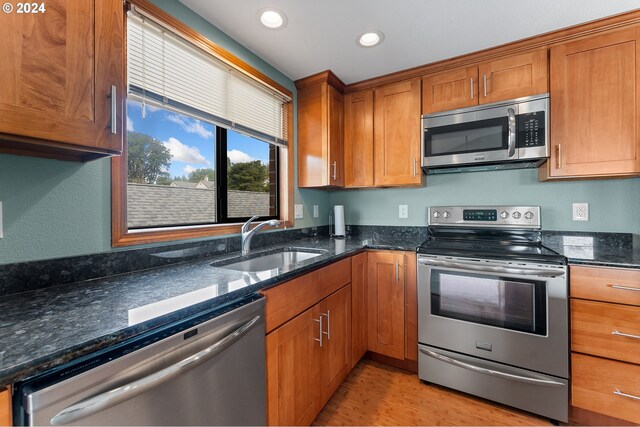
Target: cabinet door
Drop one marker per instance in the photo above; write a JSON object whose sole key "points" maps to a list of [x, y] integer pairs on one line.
{"points": [[358, 139], [336, 130], [359, 279], [58, 68], [513, 76], [312, 136], [595, 97], [386, 310], [335, 360], [450, 90], [5, 408], [293, 396], [396, 139]]}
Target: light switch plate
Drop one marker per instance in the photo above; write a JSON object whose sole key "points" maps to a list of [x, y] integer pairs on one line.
{"points": [[581, 211], [403, 211], [297, 212], [316, 211]]}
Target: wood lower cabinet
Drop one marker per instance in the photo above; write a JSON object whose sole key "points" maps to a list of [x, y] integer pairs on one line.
{"points": [[359, 295], [386, 303], [605, 342], [595, 106], [320, 131], [5, 408], [358, 139], [396, 135], [500, 79], [58, 71]]}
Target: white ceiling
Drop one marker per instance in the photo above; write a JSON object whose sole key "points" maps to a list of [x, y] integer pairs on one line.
{"points": [[321, 34]]}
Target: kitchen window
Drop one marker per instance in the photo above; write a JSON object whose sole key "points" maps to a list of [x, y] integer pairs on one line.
{"points": [[207, 138]]}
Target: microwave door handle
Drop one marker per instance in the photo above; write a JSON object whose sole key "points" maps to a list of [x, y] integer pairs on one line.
{"points": [[512, 132]]}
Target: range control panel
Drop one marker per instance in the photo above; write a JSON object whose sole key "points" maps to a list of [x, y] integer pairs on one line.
{"points": [[486, 216]]}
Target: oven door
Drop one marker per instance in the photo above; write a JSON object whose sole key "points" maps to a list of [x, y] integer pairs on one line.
{"points": [[487, 135], [513, 313]]}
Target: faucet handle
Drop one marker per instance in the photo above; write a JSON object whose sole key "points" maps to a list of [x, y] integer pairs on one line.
{"points": [[245, 226]]}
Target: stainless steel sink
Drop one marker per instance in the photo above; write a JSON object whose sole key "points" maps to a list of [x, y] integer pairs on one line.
{"points": [[270, 261]]}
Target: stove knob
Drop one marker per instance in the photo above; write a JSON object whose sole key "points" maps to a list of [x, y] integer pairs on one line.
{"points": [[446, 214], [516, 215], [528, 215], [436, 214], [504, 215]]}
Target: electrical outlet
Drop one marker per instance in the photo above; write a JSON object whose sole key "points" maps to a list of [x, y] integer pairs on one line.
{"points": [[581, 211], [297, 212], [316, 211], [403, 211], [1, 220]]}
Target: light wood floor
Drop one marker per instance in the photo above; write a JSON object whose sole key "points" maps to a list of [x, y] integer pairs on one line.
{"points": [[376, 394]]}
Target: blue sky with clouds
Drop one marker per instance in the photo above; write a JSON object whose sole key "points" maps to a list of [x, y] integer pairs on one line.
{"points": [[191, 141]]}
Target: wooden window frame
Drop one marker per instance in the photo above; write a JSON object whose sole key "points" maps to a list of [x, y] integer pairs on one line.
{"points": [[120, 233]]}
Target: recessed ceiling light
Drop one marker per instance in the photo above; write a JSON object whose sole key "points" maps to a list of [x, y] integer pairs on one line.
{"points": [[272, 18], [370, 38]]}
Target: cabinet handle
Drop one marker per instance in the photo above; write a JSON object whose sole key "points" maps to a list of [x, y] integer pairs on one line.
{"points": [[415, 167], [471, 78], [558, 157], [335, 166], [319, 320], [625, 288], [484, 80], [630, 396], [114, 110], [621, 334], [397, 272], [328, 333]]}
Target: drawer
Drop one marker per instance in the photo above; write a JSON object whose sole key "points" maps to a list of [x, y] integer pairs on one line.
{"points": [[595, 381], [287, 300], [593, 325], [605, 284]]}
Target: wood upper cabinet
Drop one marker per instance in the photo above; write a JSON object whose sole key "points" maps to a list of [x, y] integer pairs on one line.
{"points": [[5, 408], [595, 97], [396, 138], [386, 303], [499, 79], [320, 131], [359, 295], [58, 71], [335, 353], [358, 139], [293, 395]]}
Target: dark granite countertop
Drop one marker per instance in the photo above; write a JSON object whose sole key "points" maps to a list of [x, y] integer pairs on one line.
{"points": [[619, 250], [47, 327]]}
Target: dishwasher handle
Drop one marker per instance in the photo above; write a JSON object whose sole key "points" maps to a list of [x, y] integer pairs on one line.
{"points": [[117, 395]]}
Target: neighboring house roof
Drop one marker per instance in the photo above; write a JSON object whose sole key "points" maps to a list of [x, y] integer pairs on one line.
{"points": [[162, 205]]}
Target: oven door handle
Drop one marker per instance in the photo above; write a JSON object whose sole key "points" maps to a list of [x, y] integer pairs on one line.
{"points": [[493, 269], [493, 373]]}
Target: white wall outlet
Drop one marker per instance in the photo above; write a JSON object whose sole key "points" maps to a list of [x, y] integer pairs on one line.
{"points": [[581, 211], [297, 212], [403, 211], [316, 211], [1, 220]]}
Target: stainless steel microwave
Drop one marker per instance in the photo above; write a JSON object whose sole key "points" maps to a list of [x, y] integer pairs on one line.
{"points": [[510, 134]]}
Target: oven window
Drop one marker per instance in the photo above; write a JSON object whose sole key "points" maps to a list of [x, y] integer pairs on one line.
{"points": [[516, 304], [485, 135]]}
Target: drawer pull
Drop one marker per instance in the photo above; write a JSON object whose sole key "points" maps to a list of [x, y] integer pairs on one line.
{"points": [[625, 288], [635, 337], [630, 396]]}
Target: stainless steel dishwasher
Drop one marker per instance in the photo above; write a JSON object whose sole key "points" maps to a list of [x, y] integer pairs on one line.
{"points": [[194, 372]]}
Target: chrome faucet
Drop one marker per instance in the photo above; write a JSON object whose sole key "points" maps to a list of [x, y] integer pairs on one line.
{"points": [[248, 235]]}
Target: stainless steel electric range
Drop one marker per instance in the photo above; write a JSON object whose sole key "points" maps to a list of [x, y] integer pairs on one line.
{"points": [[493, 308]]}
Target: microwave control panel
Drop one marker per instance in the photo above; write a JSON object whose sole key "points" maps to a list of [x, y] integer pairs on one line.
{"points": [[531, 131]]}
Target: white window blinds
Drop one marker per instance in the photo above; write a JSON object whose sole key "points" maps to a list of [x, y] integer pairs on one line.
{"points": [[167, 69]]}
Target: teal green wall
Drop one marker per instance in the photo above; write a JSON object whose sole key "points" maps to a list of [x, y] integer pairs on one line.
{"points": [[614, 204], [54, 209]]}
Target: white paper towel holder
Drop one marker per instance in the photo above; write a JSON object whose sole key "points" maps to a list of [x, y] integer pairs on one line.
{"points": [[338, 229]]}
